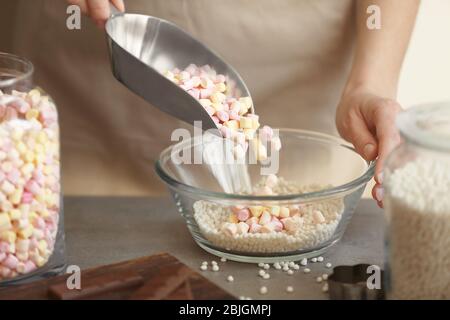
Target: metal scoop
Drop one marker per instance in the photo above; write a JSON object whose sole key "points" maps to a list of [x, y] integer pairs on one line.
{"points": [[143, 47]]}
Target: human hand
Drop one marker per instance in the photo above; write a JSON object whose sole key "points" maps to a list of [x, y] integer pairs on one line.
{"points": [[368, 121], [98, 10]]}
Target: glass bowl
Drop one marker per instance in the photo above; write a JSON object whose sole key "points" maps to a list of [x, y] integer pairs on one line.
{"points": [[318, 173]]}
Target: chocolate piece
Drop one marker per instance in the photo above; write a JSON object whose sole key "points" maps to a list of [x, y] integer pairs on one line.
{"points": [[168, 280]]}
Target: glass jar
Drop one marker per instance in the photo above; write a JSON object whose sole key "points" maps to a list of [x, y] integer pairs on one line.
{"points": [[417, 202], [31, 215]]}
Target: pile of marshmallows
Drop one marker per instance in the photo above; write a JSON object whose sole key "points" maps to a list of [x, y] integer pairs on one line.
{"points": [[264, 219], [231, 114], [29, 181]]}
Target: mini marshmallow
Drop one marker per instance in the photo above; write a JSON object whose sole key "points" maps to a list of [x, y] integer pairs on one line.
{"points": [[284, 212], [256, 211], [318, 217], [271, 180], [230, 229], [265, 218], [243, 215], [242, 228]]}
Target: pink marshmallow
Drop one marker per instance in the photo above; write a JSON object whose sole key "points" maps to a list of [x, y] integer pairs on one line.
{"points": [[235, 209], [29, 266], [39, 223], [255, 228], [278, 226], [243, 214], [10, 262], [234, 115], [10, 114], [13, 176], [195, 93], [33, 187], [226, 132], [223, 116], [205, 93], [27, 198]]}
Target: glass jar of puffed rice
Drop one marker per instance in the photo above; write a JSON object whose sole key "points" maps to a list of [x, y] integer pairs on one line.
{"points": [[417, 202], [31, 216]]}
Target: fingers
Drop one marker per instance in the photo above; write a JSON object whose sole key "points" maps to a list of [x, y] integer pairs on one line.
{"points": [[363, 140], [99, 11], [384, 115], [119, 5], [378, 194]]}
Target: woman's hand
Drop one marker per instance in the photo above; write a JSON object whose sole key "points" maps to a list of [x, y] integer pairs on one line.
{"points": [[98, 10], [368, 121]]}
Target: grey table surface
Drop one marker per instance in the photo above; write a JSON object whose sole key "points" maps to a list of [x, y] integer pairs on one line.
{"points": [[106, 230]]}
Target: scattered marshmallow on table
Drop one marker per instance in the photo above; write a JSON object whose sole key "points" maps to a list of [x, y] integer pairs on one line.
{"points": [[29, 181]]}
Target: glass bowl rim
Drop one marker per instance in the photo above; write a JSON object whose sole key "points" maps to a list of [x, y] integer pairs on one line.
{"points": [[309, 196]]}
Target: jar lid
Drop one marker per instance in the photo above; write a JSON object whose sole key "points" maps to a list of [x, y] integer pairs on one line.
{"points": [[427, 125]]}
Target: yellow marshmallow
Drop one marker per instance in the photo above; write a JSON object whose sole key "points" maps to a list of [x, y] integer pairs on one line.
{"points": [[8, 236], [5, 221], [15, 214], [42, 245], [247, 101], [39, 148], [256, 211], [42, 137], [49, 200], [221, 87], [27, 168], [17, 134], [232, 124], [232, 218], [29, 156], [246, 123], [21, 147], [45, 213], [40, 197], [24, 208], [22, 256], [34, 94], [205, 102], [32, 215], [217, 106], [218, 97], [32, 114], [40, 261], [40, 158], [26, 233], [284, 212]]}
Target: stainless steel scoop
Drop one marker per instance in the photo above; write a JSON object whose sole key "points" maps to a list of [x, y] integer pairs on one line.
{"points": [[143, 47]]}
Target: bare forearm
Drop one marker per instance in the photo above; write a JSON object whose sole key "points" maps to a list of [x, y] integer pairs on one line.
{"points": [[380, 52]]}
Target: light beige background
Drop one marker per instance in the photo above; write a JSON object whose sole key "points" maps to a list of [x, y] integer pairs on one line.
{"points": [[426, 72]]}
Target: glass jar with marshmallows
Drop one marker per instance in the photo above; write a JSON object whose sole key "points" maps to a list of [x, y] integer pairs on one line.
{"points": [[31, 233]]}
